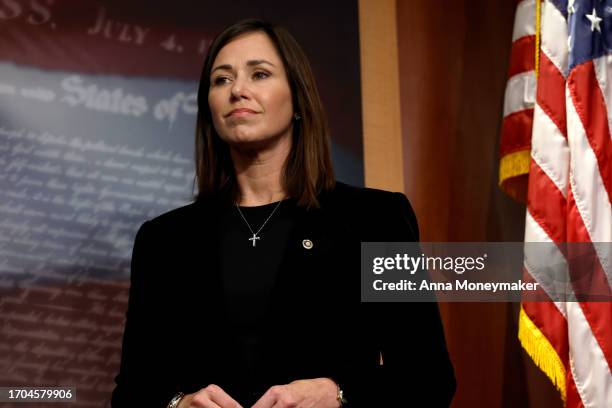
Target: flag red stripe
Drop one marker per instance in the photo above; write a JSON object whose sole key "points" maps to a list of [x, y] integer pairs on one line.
{"points": [[573, 397], [522, 55], [587, 265], [591, 108], [516, 132], [546, 204], [551, 93]]}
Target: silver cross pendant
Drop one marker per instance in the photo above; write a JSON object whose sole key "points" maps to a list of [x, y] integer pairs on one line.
{"points": [[253, 239]]}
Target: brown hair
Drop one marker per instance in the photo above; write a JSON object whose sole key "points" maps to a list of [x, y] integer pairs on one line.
{"points": [[308, 169]]}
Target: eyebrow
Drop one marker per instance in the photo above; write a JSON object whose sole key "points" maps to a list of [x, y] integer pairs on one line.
{"points": [[249, 63]]}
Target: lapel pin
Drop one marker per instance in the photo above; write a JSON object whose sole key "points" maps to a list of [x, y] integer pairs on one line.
{"points": [[307, 244]]}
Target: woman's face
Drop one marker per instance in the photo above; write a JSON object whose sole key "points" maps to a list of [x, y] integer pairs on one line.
{"points": [[249, 96]]}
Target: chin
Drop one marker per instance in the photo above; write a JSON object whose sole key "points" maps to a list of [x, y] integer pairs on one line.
{"points": [[245, 138], [246, 142], [251, 140]]}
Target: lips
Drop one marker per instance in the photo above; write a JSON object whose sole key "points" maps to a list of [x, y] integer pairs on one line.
{"points": [[241, 112]]}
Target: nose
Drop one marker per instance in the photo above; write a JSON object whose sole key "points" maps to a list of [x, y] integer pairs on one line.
{"points": [[239, 89]]}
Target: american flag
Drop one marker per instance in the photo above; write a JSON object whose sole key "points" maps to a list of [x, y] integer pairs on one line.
{"points": [[569, 192]]}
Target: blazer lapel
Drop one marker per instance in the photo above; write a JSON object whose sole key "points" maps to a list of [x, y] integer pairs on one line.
{"points": [[307, 241]]}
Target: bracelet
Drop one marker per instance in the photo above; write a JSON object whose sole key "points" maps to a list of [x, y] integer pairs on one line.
{"points": [[340, 396], [175, 400]]}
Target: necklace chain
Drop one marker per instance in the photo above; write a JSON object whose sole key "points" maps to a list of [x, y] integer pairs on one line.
{"points": [[256, 234]]}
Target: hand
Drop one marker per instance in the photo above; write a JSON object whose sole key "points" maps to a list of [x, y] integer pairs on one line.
{"points": [[311, 393], [212, 396]]}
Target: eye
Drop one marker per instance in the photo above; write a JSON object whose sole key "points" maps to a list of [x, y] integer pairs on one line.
{"points": [[260, 75], [220, 80]]}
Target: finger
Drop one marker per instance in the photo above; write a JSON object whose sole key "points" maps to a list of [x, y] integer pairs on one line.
{"points": [[201, 399], [218, 396], [284, 401], [269, 398]]}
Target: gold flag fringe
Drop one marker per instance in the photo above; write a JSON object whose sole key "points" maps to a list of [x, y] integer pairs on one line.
{"points": [[541, 352], [511, 167]]}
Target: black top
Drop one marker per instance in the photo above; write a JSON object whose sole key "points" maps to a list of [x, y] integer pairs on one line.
{"points": [[249, 271]]}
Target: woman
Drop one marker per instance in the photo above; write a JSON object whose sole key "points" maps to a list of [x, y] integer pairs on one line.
{"points": [[250, 296]]}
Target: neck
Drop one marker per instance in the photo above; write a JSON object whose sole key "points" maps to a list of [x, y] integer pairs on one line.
{"points": [[260, 173]]}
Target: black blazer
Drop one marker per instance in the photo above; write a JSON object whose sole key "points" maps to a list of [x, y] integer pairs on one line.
{"points": [[177, 336]]}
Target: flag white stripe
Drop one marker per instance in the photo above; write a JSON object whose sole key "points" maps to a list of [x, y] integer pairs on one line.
{"points": [[524, 20], [549, 149], [533, 234], [556, 27], [588, 364], [520, 92], [603, 72]]}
